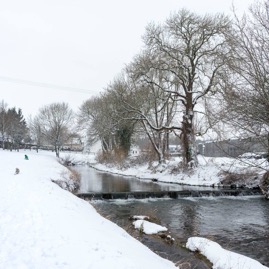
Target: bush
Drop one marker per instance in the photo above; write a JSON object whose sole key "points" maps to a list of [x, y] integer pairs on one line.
{"points": [[67, 160], [239, 179], [116, 157], [70, 179]]}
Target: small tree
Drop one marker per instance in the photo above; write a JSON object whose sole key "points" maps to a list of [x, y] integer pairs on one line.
{"points": [[55, 121], [36, 132], [100, 117], [95, 118]]}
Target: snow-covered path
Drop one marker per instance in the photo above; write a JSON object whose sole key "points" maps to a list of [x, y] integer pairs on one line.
{"points": [[43, 226]]}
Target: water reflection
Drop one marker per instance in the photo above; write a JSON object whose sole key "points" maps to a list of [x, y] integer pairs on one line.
{"points": [[191, 215], [96, 181]]}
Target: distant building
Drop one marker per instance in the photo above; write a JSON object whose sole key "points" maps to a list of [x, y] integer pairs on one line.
{"points": [[134, 151], [174, 150], [232, 147]]}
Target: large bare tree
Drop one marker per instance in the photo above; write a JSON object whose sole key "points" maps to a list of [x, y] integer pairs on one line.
{"points": [[191, 51]]}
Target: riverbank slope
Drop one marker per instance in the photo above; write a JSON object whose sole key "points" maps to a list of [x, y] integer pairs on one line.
{"points": [[44, 226]]}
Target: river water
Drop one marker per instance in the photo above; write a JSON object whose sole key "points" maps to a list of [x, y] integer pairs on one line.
{"points": [[96, 181], [239, 224]]}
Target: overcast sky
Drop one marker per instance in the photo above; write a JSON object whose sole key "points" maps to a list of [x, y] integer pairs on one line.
{"points": [[69, 50]]}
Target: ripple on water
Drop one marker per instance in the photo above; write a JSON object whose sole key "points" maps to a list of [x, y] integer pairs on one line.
{"points": [[238, 224]]}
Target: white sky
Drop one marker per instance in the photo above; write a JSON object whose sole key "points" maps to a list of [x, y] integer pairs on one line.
{"points": [[82, 44]]}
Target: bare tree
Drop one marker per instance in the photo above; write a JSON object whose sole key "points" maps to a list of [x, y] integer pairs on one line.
{"points": [[246, 88], [95, 118], [56, 122], [191, 51], [149, 103], [123, 128], [36, 132], [100, 117]]}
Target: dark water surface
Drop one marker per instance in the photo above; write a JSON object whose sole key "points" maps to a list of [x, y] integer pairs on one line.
{"points": [[96, 181], [239, 224]]}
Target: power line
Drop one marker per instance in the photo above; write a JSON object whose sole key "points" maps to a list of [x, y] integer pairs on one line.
{"points": [[42, 84]]}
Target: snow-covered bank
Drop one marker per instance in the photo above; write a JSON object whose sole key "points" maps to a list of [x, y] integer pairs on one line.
{"points": [[56, 233], [222, 258], [210, 171], [43, 226]]}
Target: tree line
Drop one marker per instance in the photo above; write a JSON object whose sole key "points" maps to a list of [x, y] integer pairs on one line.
{"points": [[50, 128], [13, 127], [194, 74]]}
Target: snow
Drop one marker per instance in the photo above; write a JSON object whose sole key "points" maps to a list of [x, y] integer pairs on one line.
{"points": [[148, 227], [140, 217], [221, 258], [44, 226]]}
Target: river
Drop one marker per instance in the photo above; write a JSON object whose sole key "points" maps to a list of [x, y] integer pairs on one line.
{"points": [[239, 224]]}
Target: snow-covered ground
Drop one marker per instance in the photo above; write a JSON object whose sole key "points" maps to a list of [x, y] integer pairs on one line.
{"points": [[222, 258], [43, 226]]}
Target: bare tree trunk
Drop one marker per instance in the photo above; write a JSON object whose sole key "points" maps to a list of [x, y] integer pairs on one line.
{"points": [[188, 139], [57, 151], [156, 147]]}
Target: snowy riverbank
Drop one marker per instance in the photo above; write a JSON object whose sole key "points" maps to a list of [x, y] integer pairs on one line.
{"points": [[210, 171], [43, 226]]}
